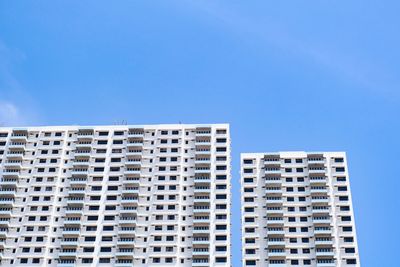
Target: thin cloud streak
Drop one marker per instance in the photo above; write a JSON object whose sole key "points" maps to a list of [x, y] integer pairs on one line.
{"points": [[10, 115], [369, 76], [16, 105]]}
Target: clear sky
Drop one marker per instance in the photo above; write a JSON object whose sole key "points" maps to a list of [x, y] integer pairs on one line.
{"points": [[287, 75]]}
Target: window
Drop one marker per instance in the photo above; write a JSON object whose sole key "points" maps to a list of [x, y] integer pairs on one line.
{"points": [[351, 261], [347, 228], [87, 260], [338, 160], [105, 260], [348, 239], [340, 169], [88, 249], [220, 259], [105, 249]]}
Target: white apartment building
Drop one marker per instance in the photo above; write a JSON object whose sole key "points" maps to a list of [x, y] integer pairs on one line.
{"points": [[297, 210], [144, 195]]}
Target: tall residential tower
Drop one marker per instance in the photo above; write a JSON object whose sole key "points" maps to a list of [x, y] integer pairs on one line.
{"points": [[297, 210], [144, 195]]}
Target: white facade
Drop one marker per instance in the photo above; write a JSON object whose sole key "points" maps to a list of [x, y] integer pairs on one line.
{"points": [[297, 210], [145, 195]]}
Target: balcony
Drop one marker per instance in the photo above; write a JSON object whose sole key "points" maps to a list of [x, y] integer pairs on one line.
{"points": [[75, 200], [274, 220], [322, 230], [71, 231], [273, 181], [83, 144], [321, 209], [17, 155], [67, 253], [134, 143], [6, 212], [10, 173], [315, 180], [319, 252], [202, 179], [7, 192], [319, 200], [203, 160], [323, 241], [317, 170], [135, 134], [134, 152], [81, 162], [12, 182], [321, 220], [6, 201], [126, 230], [130, 190], [201, 230], [274, 210], [132, 171], [127, 220], [73, 210], [124, 252], [13, 163], [203, 151], [316, 160], [276, 242], [201, 219], [201, 199], [72, 220], [203, 141], [129, 200], [274, 200], [318, 190], [201, 251], [272, 171], [77, 190], [205, 133], [201, 240], [78, 181], [85, 134], [126, 241], [273, 190], [276, 253], [69, 242], [19, 137], [82, 153], [275, 231], [201, 170], [201, 209], [4, 222], [202, 189]]}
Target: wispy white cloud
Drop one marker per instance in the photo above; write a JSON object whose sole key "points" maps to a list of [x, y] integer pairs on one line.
{"points": [[10, 115], [342, 64], [17, 107]]}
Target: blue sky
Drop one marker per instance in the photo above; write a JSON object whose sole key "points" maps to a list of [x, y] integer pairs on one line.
{"points": [[287, 75]]}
